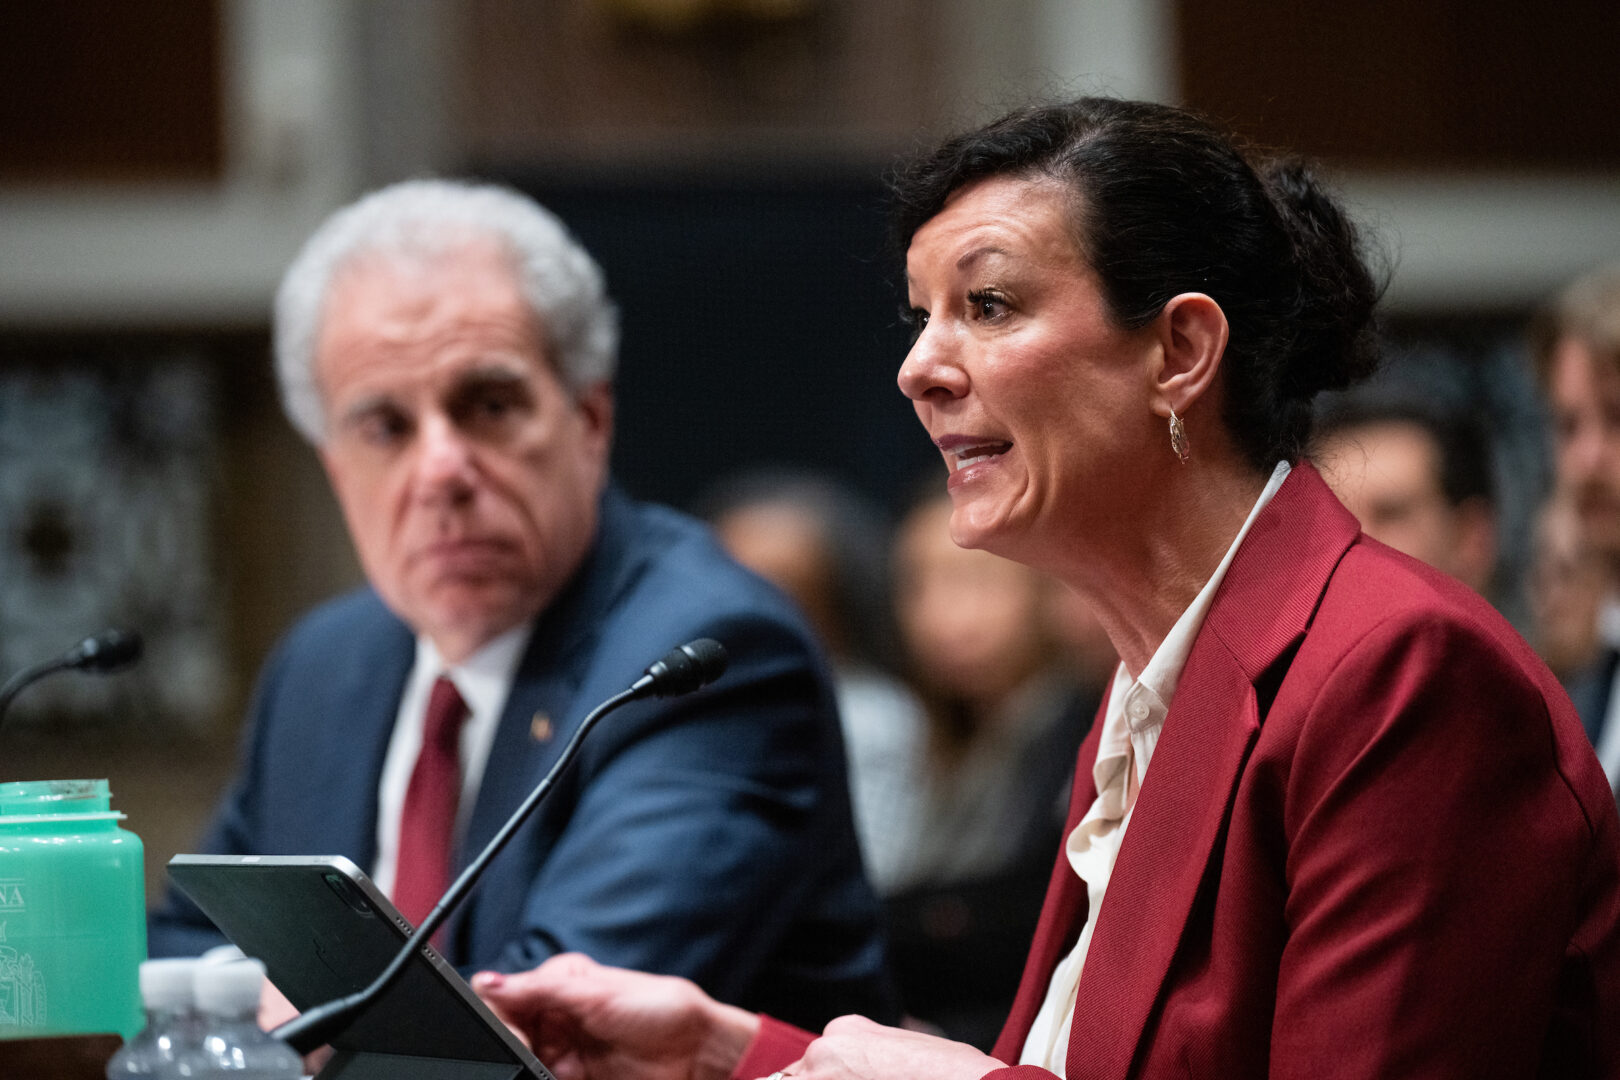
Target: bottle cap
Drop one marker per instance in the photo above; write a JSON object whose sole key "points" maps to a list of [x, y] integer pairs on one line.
{"points": [[33, 798], [231, 988], [221, 954], [167, 984]]}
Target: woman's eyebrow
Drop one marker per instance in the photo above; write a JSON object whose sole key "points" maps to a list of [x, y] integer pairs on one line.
{"points": [[970, 257]]}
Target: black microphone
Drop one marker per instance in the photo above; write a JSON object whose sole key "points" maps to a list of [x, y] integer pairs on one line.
{"points": [[682, 670], [111, 650]]}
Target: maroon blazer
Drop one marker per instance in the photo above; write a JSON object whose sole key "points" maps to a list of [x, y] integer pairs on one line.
{"points": [[1374, 842]]}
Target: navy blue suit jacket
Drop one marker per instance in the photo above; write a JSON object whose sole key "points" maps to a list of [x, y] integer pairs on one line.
{"points": [[707, 836]]}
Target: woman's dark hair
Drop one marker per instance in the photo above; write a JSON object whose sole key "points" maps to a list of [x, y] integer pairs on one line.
{"points": [[1165, 204]]}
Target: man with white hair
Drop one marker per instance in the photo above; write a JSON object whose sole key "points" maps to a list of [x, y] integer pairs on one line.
{"points": [[448, 349]]}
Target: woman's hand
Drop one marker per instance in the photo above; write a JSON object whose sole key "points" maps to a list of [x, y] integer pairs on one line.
{"points": [[854, 1048], [589, 1022]]}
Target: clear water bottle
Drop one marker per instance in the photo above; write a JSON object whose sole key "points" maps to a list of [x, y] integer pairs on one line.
{"points": [[230, 1043], [171, 1023]]}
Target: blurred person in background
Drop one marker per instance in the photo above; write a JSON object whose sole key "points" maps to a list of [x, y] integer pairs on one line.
{"points": [[449, 350], [1567, 585], [827, 548], [1576, 346], [1335, 817], [1417, 478], [1005, 715]]}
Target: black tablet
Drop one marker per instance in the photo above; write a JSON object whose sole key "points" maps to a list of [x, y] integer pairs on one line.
{"points": [[324, 930]]}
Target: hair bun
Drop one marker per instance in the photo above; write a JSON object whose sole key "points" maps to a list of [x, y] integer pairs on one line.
{"points": [[1333, 310]]}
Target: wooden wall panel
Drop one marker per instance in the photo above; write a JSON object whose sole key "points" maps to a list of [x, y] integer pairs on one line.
{"points": [[1411, 83], [96, 90]]}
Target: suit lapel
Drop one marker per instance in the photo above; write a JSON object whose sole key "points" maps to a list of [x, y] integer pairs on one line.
{"points": [[543, 709], [1260, 613], [535, 724]]}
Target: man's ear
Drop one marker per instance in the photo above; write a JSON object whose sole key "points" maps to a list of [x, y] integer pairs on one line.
{"points": [[595, 405], [1192, 333]]}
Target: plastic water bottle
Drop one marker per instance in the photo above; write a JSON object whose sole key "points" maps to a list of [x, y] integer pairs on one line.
{"points": [[230, 1043], [171, 1023]]}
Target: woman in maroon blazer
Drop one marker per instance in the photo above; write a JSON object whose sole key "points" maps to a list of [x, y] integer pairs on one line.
{"points": [[1373, 841]]}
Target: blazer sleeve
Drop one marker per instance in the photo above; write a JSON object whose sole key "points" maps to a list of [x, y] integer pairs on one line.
{"points": [[777, 1046], [1441, 848]]}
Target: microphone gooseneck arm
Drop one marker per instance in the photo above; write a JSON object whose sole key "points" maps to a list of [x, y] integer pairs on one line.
{"points": [[318, 1026], [27, 677], [105, 652]]}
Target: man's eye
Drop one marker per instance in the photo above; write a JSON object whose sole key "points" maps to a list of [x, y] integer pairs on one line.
{"points": [[383, 428], [493, 405]]}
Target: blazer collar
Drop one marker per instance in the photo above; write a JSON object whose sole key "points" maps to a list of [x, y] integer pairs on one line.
{"points": [[1260, 614]]}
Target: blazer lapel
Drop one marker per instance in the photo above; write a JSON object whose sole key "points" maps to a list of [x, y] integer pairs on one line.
{"points": [[1174, 829], [1261, 612]]}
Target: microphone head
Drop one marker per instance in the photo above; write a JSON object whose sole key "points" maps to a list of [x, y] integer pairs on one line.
{"points": [[687, 667], [110, 650]]}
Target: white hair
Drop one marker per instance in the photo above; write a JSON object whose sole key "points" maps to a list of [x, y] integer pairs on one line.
{"points": [[559, 280]]}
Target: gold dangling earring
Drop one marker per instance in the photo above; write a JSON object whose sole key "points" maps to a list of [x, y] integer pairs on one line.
{"points": [[1178, 438]]}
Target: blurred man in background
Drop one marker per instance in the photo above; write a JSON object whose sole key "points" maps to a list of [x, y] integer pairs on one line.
{"points": [[1418, 479], [1567, 585], [1576, 345], [449, 351]]}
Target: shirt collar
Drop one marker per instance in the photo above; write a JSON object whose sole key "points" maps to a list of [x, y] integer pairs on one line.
{"points": [[1608, 621], [484, 678]]}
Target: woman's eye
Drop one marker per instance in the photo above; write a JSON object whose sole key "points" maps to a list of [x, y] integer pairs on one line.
{"points": [[986, 305], [916, 319]]}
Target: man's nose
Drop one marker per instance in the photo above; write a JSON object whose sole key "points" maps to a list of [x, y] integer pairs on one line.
{"points": [[444, 464], [1585, 453]]}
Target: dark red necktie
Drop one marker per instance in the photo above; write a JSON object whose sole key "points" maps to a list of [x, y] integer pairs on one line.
{"points": [[427, 825]]}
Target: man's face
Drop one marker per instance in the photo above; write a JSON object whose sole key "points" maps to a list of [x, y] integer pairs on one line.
{"points": [[468, 473], [1583, 392], [1387, 474]]}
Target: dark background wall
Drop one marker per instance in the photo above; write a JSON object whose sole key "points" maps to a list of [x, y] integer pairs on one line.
{"points": [[761, 325]]}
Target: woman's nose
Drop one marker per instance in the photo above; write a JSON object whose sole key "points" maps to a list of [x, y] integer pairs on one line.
{"points": [[932, 369]]}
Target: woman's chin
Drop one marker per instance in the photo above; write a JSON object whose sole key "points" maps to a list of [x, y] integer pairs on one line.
{"points": [[972, 527]]}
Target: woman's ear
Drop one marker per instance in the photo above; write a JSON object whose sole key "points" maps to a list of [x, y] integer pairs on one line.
{"points": [[1192, 335]]}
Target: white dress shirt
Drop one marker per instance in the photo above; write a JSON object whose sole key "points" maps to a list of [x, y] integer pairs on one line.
{"points": [[1130, 731], [1608, 744], [484, 681]]}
